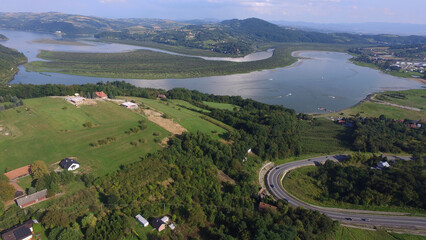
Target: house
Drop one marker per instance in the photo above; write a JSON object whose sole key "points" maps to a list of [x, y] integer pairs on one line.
{"points": [[129, 105], [161, 96], [383, 164], [101, 95], [158, 224], [264, 206], [142, 220], [69, 164], [19, 172], [75, 99], [23, 231], [31, 199]]}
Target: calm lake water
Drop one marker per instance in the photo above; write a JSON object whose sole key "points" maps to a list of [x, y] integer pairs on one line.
{"points": [[325, 80]]}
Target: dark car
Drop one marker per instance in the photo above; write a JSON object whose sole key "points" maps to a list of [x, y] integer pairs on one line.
{"points": [[349, 219], [272, 185], [277, 168], [366, 219]]}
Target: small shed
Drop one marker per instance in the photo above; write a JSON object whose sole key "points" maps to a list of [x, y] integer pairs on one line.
{"points": [[142, 220], [172, 226], [383, 164], [161, 96], [69, 164]]}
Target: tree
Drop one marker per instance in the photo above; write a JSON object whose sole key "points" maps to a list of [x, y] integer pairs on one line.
{"points": [[88, 221], [39, 169], [69, 234], [7, 191]]}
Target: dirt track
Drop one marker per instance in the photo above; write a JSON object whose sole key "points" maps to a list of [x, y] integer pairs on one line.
{"points": [[168, 124]]}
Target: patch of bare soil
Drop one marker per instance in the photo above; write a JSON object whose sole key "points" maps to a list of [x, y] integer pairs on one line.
{"points": [[168, 124], [225, 178]]}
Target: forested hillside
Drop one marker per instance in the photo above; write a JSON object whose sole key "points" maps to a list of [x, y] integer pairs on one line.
{"points": [[9, 61]]}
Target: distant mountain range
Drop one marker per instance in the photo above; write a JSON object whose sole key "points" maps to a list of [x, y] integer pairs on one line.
{"points": [[363, 28]]}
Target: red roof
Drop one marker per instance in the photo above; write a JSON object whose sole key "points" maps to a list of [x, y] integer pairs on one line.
{"points": [[399, 120], [19, 172], [101, 95]]}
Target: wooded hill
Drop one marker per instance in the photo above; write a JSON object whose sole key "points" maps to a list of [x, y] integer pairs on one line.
{"points": [[9, 61]]}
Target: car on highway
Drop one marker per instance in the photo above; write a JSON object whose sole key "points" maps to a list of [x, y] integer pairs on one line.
{"points": [[365, 219], [349, 219], [272, 185], [277, 168]]}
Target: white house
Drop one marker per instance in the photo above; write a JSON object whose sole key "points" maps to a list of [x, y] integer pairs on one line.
{"points": [[165, 219], [129, 105], [142, 220], [384, 164], [69, 164]]}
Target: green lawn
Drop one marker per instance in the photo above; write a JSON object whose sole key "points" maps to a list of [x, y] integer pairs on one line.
{"points": [[225, 106], [50, 132], [346, 233], [299, 184], [188, 119]]}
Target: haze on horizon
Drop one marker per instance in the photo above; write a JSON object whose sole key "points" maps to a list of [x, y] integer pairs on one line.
{"points": [[318, 11]]}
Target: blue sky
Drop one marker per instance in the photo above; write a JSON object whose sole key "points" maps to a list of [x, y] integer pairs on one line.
{"points": [[322, 11]]}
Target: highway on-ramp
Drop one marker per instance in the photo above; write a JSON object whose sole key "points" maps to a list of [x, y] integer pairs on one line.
{"points": [[347, 216]]}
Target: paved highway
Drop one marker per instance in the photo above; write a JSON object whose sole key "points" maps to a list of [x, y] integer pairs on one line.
{"points": [[347, 216]]}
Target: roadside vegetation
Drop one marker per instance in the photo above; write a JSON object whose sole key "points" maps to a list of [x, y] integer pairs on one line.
{"points": [[354, 185], [348, 233]]}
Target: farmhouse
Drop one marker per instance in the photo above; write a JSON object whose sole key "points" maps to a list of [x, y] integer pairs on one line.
{"points": [[161, 96], [69, 164], [129, 105], [383, 164], [31, 199], [142, 220], [101, 95], [158, 224], [20, 232], [19, 172]]}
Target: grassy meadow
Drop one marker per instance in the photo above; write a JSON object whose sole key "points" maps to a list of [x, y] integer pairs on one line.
{"points": [[302, 186], [411, 98], [346, 233], [51, 129], [186, 118], [144, 64]]}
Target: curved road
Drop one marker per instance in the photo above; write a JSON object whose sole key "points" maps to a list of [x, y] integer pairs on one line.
{"points": [[348, 216]]}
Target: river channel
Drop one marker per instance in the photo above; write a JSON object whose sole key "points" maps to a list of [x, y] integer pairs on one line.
{"points": [[323, 80]]}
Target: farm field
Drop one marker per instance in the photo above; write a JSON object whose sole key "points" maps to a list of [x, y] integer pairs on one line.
{"points": [[51, 129], [225, 106], [346, 233]]}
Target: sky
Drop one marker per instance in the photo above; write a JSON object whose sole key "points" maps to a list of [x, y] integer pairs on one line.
{"points": [[319, 11]]}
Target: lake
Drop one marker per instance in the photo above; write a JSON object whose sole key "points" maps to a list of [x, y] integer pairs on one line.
{"points": [[324, 80]]}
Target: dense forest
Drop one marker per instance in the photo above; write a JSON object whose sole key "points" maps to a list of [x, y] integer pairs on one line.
{"points": [[9, 61], [401, 185], [387, 135]]}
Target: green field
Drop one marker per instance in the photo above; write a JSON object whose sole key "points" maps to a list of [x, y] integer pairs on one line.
{"points": [[323, 136], [143, 64], [52, 129], [346, 233], [225, 106], [412, 98], [186, 118], [299, 184]]}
